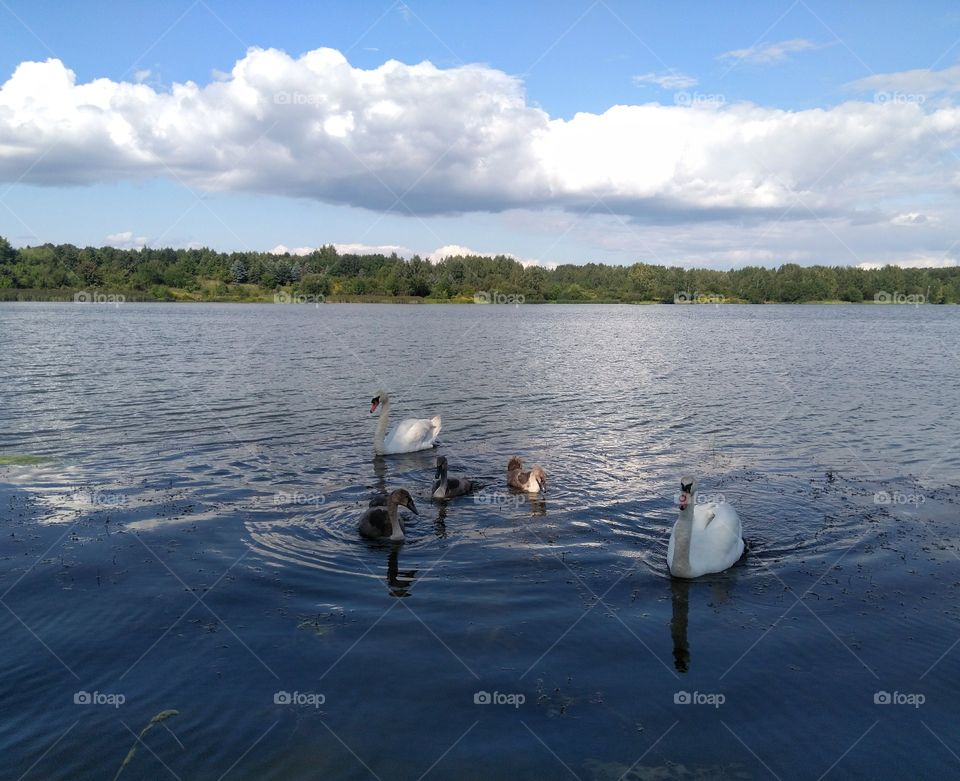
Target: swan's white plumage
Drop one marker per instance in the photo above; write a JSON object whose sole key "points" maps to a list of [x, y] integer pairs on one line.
{"points": [[411, 435], [716, 539], [408, 436]]}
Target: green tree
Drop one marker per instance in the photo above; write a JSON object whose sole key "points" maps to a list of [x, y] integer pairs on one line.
{"points": [[8, 255], [238, 271]]}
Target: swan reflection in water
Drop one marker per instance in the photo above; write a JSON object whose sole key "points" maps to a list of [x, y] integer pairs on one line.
{"points": [[440, 522], [680, 592], [398, 580], [380, 472], [514, 498], [538, 505], [721, 590]]}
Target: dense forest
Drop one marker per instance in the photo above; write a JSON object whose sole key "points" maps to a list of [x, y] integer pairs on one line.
{"points": [[60, 271]]}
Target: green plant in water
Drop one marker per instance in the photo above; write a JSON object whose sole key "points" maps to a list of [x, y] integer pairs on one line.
{"points": [[160, 717]]}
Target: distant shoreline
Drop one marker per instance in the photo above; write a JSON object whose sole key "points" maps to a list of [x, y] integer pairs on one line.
{"points": [[104, 297], [65, 272]]}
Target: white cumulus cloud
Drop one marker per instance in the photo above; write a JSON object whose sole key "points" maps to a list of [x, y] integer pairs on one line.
{"points": [[446, 251], [373, 249], [768, 53], [922, 261], [125, 240], [920, 81], [428, 140], [457, 250], [283, 249], [667, 80], [910, 218]]}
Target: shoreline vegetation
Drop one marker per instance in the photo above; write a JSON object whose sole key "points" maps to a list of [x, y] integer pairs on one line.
{"points": [[64, 272]]}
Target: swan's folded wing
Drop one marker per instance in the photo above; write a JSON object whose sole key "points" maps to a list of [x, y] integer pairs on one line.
{"points": [[724, 516], [413, 431]]}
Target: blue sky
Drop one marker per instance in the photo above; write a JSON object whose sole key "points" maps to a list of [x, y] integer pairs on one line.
{"points": [[806, 67]]}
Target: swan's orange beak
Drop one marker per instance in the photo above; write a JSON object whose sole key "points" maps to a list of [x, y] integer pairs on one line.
{"points": [[684, 498], [373, 405]]}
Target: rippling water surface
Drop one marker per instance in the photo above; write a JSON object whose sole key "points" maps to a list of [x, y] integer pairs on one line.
{"points": [[185, 539]]}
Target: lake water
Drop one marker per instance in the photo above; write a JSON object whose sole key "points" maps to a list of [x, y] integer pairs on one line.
{"points": [[191, 543]]}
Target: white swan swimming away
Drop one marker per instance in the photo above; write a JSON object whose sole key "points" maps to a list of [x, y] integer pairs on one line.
{"points": [[706, 537], [407, 436]]}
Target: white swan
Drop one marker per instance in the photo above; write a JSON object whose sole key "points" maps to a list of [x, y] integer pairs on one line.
{"points": [[407, 436], [706, 537]]}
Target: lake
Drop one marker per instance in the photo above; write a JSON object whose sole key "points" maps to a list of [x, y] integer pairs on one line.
{"points": [[186, 540]]}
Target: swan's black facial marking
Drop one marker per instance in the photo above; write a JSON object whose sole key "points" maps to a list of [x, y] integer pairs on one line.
{"points": [[374, 403]]}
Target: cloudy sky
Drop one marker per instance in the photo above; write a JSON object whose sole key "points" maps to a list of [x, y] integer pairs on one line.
{"points": [[694, 134]]}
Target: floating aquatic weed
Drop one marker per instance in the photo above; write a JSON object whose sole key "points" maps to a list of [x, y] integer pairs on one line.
{"points": [[160, 717], [23, 460]]}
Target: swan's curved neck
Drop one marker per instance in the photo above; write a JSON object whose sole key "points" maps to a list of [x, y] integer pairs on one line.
{"points": [[440, 484], [381, 431], [683, 532], [396, 529]]}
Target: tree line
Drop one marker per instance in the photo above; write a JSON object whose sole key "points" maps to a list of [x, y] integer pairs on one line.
{"points": [[52, 271]]}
